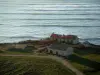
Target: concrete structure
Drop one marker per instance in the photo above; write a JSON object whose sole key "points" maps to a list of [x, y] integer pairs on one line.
{"points": [[70, 39], [60, 49]]}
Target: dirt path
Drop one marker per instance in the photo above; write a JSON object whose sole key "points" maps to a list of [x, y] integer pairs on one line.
{"points": [[66, 63], [59, 59]]}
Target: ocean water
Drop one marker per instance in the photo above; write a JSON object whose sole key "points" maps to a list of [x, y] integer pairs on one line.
{"points": [[31, 19]]}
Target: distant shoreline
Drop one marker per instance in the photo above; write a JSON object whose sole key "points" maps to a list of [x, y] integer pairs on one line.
{"points": [[38, 39]]}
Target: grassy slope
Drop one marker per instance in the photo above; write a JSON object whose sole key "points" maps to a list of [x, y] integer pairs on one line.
{"points": [[31, 66], [89, 54], [94, 57], [16, 53], [82, 58]]}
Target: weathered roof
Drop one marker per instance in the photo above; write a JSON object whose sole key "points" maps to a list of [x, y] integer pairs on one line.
{"points": [[59, 46]]}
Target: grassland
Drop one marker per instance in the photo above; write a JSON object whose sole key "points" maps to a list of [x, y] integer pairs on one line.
{"points": [[15, 53], [87, 61], [31, 66], [18, 51], [94, 57]]}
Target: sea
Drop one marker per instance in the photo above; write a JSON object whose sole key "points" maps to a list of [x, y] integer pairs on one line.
{"points": [[37, 19]]}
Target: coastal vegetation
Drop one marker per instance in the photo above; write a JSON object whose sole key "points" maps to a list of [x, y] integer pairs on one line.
{"points": [[25, 50], [1, 51], [17, 51], [86, 60], [17, 65]]}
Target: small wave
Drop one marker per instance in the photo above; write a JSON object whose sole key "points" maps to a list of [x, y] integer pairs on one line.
{"points": [[24, 37], [60, 19], [53, 26], [89, 38], [62, 10], [1, 24], [51, 13], [86, 4], [21, 37]]}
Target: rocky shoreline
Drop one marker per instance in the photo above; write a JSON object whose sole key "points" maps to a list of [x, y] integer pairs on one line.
{"points": [[44, 42]]}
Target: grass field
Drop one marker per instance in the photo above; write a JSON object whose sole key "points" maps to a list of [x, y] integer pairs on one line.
{"points": [[94, 57], [15, 51], [86, 61], [85, 69], [31, 66]]}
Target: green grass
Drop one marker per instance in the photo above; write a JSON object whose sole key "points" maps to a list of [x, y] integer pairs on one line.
{"points": [[1, 51], [25, 50], [16, 53], [94, 57], [87, 61], [86, 70], [31, 66], [88, 54], [80, 67]]}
